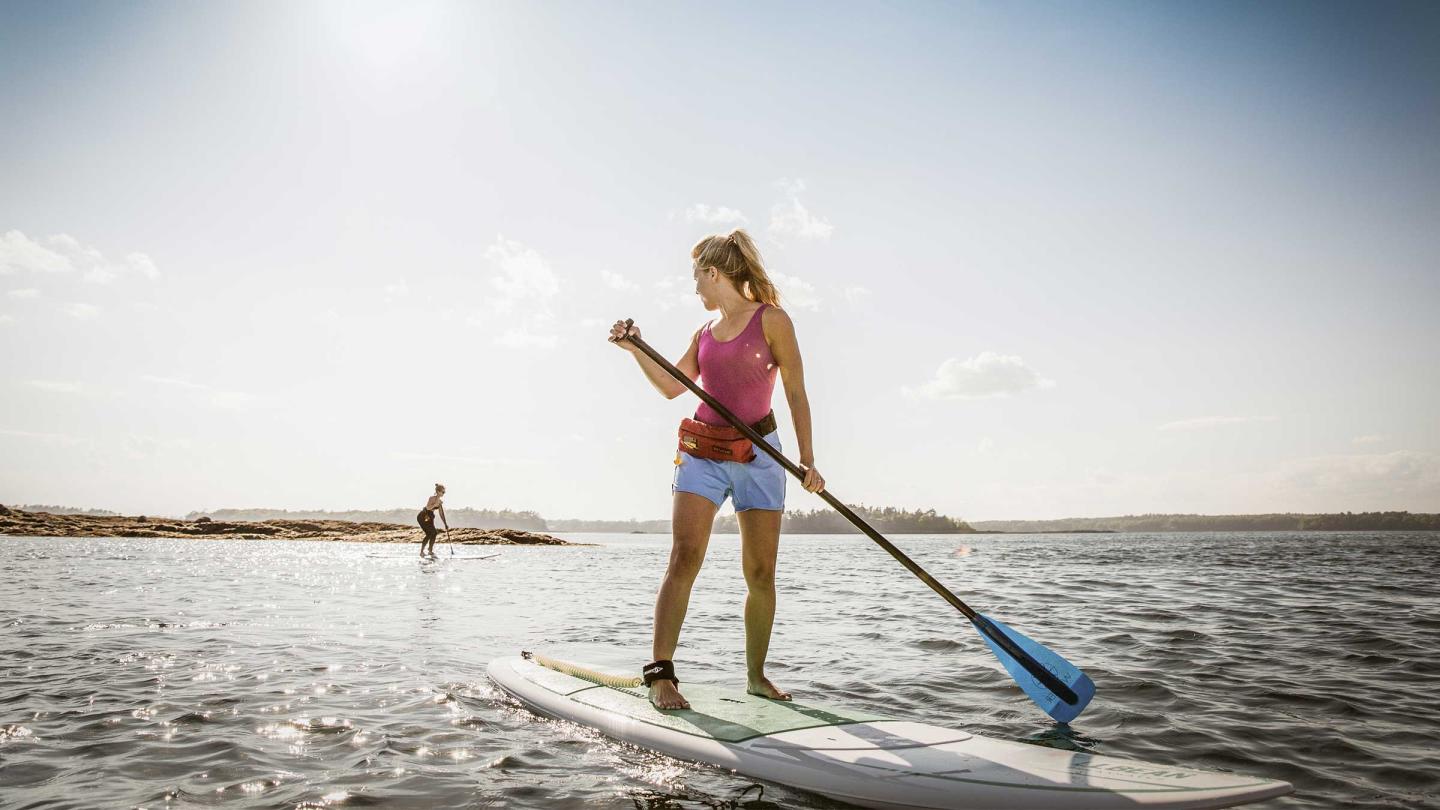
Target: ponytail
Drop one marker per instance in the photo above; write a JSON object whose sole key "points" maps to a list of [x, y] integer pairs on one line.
{"points": [[737, 258]]}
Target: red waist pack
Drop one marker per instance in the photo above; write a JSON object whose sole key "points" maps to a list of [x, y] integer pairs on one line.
{"points": [[715, 442]]}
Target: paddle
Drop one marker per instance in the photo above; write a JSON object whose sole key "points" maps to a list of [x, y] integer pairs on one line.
{"points": [[1056, 685]]}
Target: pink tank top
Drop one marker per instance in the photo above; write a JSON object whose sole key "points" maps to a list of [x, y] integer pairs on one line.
{"points": [[740, 373]]}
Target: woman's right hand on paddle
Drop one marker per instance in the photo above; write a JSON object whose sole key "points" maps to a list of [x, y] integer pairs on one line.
{"points": [[814, 481], [618, 331]]}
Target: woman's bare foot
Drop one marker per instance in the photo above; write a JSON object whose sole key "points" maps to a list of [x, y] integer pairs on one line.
{"points": [[666, 695], [764, 688]]}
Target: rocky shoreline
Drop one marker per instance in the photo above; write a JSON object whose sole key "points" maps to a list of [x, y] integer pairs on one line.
{"points": [[43, 524]]}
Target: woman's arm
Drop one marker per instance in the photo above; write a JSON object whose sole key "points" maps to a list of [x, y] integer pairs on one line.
{"points": [[780, 334], [668, 386], [440, 507]]}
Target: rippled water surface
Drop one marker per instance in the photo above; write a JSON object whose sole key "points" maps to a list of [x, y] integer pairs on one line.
{"points": [[181, 673]]}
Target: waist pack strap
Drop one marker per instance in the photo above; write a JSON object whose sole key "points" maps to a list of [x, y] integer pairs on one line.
{"points": [[766, 425]]}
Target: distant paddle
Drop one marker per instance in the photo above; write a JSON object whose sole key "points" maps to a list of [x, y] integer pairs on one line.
{"points": [[1056, 685]]}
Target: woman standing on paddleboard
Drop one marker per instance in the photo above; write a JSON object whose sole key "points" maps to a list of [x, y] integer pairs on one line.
{"points": [[736, 358], [426, 519]]}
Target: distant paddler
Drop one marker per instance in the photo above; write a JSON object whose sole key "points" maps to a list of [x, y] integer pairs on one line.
{"points": [[426, 519], [736, 358]]}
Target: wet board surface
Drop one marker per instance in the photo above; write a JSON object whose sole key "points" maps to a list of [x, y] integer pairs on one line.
{"points": [[868, 759]]}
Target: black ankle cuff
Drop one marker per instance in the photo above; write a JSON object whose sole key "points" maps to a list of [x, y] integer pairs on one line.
{"points": [[659, 671]]}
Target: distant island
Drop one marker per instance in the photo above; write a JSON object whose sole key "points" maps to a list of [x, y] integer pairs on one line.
{"points": [[459, 518], [1287, 522], [85, 523]]}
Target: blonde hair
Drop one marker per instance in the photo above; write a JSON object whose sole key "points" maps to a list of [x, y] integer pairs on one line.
{"points": [[735, 256]]}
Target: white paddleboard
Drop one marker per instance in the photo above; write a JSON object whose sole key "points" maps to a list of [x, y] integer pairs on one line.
{"points": [[869, 760]]}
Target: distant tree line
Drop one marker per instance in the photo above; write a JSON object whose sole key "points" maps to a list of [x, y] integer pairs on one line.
{"points": [[1344, 521], [885, 520], [610, 526], [64, 510], [465, 518]]}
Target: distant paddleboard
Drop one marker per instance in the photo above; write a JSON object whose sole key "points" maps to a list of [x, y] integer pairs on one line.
{"points": [[867, 759], [438, 558]]}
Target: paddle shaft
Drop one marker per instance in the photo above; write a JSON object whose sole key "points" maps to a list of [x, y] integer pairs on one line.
{"points": [[1032, 666]]}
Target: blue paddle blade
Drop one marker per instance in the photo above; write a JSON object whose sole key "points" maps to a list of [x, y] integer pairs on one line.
{"points": [[1066, 672]]}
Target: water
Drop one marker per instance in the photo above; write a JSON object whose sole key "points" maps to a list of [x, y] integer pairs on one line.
{"points": [[182, 673]]}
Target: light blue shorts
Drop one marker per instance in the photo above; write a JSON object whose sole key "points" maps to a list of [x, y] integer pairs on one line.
{"points": [[757, 485]]}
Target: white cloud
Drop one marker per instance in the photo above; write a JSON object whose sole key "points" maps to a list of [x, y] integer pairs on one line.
{"points": [[101, 274], [193, 386], [138, 446], [615, 281], [790, 187], [81, 312], [675, 292], [796, 293], [399, 289], [714, 215], [790, 217], [27, 292], [228, 400], [522, 339], [63, 253], [54, 438], [1370, 438], [985, 375], [71, 247], [20, 254], [7, 319], [857, 296], [1207, 422], [523, 275], [55, 386], [142, 264], [1398, 480], [525, 290], [233, 400]]}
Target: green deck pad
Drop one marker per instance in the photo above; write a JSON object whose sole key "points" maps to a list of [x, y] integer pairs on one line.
{"points": [[720, 714]]}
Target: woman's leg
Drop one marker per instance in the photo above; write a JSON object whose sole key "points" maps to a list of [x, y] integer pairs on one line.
{"points": [[691, 518], [759, 544]]}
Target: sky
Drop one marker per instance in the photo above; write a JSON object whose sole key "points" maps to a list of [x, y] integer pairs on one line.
{"points": [[1044, 260]]}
